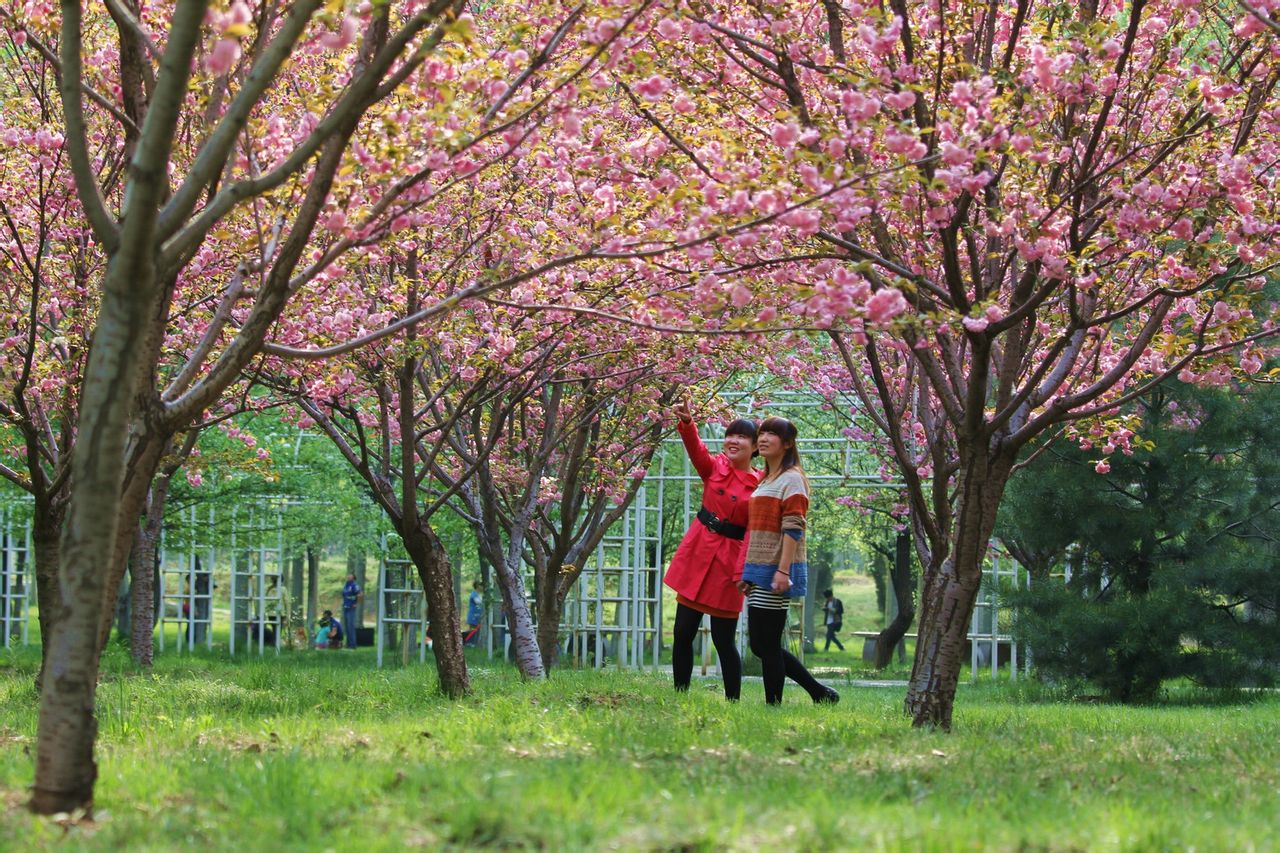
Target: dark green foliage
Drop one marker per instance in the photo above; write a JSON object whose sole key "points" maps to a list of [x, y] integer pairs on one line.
{"points": [[1172, 556]]}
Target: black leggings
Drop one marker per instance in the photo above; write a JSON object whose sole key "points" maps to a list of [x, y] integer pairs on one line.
{"points": [[764, 630], [723, 634]]}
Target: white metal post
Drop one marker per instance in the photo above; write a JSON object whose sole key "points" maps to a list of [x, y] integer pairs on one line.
{"points": [[29, 563], [382, 604], [235, 556]]}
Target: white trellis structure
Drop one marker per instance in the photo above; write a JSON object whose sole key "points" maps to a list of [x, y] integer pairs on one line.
{"points": [[257, 575], [402, 608], [991, 626], [186, 583], [616, 606], [16, 571], [209, 561]]}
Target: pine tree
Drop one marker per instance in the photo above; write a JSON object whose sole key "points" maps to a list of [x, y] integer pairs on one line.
{"points": [[1172, 552]]}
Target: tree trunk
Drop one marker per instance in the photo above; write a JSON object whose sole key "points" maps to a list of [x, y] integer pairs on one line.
{"points": [[65, 766], [901, 578], [880, 572], [86, 588], [46, 530], [313, 587], [143, 588], [142, 599], [524, 642], [428, 555], [297, 587], [550, 609], [157, 606], [202, 607], [822, 577], [143, 461], [486, 581], [951, 589]]}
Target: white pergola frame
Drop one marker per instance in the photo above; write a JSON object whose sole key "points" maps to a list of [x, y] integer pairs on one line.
{"points": [[179, 586], [403, 605], [985, 634], [16, 572], [266, 564]]}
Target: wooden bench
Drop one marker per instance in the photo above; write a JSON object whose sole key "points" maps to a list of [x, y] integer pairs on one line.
{"points": [[1003, 648]]}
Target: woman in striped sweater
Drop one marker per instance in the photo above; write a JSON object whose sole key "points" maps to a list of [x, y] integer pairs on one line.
{"points": [[774, 569]]}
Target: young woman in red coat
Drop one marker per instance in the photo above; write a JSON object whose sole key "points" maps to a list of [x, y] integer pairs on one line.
{"points": [[703, 568]]}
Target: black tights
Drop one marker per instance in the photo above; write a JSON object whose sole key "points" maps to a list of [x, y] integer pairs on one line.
{"points": [[764, 630], [723, 634]]}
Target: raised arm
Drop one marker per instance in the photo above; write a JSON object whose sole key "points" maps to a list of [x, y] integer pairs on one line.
{"points": [[693, 445]]}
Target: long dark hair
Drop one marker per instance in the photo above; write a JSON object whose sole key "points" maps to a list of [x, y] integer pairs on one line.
{"points": [[786, 431]]}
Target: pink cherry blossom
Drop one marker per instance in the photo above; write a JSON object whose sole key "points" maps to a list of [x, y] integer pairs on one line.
{"points": [[885, 304], [224, 54], [336, 221], [668, 28], [785, 135], [344, 36], [900, 100], [653, 88], [607, 198]]}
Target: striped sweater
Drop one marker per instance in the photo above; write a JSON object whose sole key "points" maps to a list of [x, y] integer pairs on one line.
{"points": [[777, 509]]}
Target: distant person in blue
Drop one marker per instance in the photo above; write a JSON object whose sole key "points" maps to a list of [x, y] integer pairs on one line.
{"points": [[351, 595], [475, 613]]}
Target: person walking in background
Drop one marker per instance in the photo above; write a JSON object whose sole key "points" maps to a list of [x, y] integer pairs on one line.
{"points": [[774, 569], [704, 569], [475, 613], [833, 617], [351, 595]]}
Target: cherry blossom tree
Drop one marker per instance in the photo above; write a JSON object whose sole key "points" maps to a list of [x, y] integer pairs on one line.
{"points": [[224, 159], [416, 419], [45, 270], [535, 427], [572, 459], [1011, 219]]}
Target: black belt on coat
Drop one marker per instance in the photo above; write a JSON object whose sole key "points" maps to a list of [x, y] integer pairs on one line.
{"points": [[715, 524]]}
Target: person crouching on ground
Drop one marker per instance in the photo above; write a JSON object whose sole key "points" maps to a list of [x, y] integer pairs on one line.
{"points": [[704, 568], [328, 632], [774, 569]]}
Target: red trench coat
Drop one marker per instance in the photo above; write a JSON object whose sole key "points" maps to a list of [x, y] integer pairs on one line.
{"points": [[705, 567]]}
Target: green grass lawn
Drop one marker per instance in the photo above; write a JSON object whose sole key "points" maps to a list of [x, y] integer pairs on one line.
{"points": [[317, 750]]}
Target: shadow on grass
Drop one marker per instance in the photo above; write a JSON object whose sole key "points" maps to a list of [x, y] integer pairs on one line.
{"points": [[1199, 696], [1175, 694]]}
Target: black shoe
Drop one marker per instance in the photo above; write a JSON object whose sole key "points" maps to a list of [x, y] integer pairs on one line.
{"points": [[829, 697]]}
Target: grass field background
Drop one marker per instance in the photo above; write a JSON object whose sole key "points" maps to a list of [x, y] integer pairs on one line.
{"points": [[315, 751]]}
